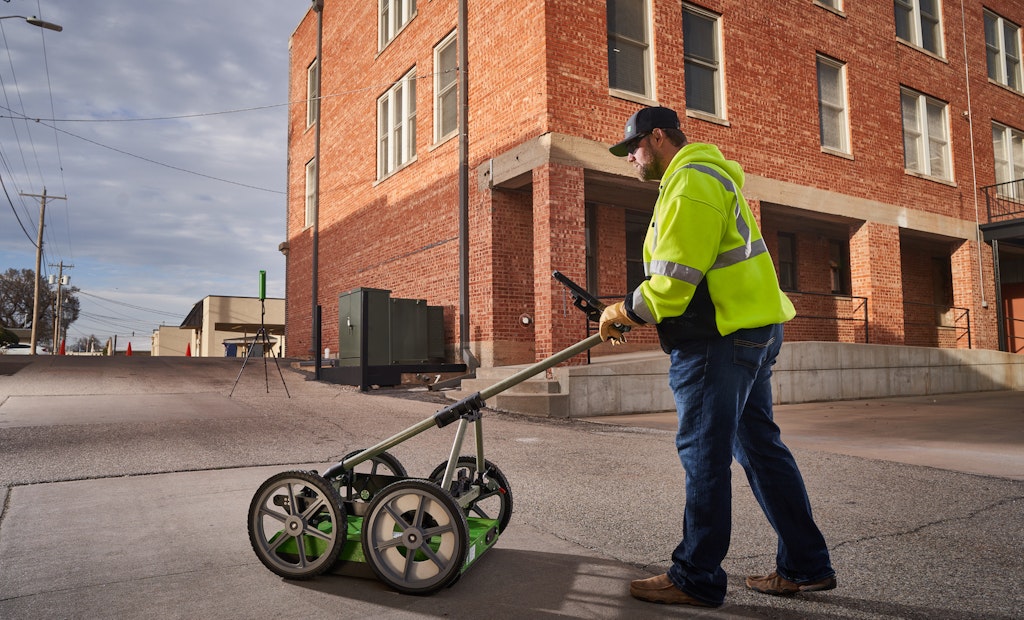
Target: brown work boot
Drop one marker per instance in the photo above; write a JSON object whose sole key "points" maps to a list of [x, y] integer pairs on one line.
{"points": [[660, 589], [780, 586]]}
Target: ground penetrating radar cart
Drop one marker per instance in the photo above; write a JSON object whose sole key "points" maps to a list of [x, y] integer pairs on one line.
{"points": [[417, 534]]}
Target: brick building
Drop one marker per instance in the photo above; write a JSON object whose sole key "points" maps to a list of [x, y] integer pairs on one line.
{"points": [[867, 130]]}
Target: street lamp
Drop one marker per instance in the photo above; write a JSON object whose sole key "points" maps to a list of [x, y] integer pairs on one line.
{"points": [[35, 21]]}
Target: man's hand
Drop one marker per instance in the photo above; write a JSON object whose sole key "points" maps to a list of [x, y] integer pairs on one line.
{"points": [[613, 319]]}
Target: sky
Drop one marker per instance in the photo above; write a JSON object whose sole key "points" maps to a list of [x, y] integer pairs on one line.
{"points": [[164, 125]]}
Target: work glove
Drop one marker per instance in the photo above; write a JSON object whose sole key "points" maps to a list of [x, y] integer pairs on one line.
{"points": [[613, 321]]}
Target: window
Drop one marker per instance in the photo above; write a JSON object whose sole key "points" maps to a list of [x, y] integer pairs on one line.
{"points": [[832, 4], [628, 47], [832, 104], [311, 182], [446, 111], [917, 22], [396, 125], [1008, 147], [312, 92], [925, 135], [1002, 47], [637, 223], [787, 261], [839, 268], [702, 61], [394, 15]]}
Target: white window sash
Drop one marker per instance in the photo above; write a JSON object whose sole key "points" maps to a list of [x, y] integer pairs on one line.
{"points": [[926, 135], [644, 47], [917, 19], [312, 91], [396, 126], [714, 65], [1003, 48], [311, 181], [833, 105], [393, 15], [445, 89]]}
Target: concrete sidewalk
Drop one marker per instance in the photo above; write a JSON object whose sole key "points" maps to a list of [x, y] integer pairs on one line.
{"points": [[126, 486], [979, 433]]}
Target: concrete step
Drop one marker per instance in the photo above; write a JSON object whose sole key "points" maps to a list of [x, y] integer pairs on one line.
{"points": [[531, 386], [543, 405]]}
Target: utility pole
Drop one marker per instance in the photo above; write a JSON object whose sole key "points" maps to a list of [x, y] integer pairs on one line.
{"points": [[61, 281], [39, 259]]}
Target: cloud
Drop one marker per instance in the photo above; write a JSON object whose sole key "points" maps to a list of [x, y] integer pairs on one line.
{"points": [[135, 229]]}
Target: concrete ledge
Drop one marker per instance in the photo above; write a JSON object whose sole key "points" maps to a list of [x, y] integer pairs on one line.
{"points": [[805, 372]]}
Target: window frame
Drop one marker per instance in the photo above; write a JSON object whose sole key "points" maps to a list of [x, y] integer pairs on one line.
{"points": [[787, 262], [842, 107], [716, 65], [645, 45], [403, 132], [916, 25], [311, 182], [442, 90], [925, 139], [1013, 80], [841, 281], [390, 22], [312, 92], [1014, 166]]}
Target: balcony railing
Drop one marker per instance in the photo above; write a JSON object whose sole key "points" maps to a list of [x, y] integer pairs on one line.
{"points": [[1004, 201], [1015, 335], [828, 317], [844, 318], [931, 325]]}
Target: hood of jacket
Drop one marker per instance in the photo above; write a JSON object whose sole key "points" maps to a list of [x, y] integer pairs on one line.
{"points": [[708, 154]]}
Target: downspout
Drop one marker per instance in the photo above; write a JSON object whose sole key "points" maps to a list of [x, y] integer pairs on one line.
{"points": [[314, 316], [463, 107], [974, 164]]}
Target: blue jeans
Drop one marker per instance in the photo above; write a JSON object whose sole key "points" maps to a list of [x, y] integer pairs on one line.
{"points": [[724, 398]]}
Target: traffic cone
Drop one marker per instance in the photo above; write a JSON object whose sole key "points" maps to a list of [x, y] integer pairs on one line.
{"points": [[128, 351], [188, 349], [61, 348]]}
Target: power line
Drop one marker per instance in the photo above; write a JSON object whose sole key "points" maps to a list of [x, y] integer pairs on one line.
{"points": [[147, 159], [176, 117], [127, 305]]}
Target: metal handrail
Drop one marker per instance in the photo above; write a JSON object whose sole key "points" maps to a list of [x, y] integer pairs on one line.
{"points": [[862, 306], [964, 315], [1004, 200]]}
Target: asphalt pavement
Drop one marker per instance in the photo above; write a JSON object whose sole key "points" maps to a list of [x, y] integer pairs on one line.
{"points": [[126, 485]]}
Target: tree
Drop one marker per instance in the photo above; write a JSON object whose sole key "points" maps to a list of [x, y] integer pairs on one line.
{"points": [[17, 294], [7, 337], [91, 343]]}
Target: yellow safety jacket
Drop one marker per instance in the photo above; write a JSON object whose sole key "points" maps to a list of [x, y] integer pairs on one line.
{"points": [[708, 270]]}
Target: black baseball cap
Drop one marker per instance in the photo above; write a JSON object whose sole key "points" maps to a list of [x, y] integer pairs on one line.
{"points": [[643, 122]]}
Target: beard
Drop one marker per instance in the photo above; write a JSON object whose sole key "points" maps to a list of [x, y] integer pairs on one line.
{"points": [[649, 171]]}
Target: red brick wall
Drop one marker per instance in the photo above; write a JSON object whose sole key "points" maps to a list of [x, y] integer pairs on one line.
{"points": [[539, 67], [558, 243]]}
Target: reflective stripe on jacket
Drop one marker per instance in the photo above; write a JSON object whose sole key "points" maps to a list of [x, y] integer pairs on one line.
{"points": [[703, 230]]}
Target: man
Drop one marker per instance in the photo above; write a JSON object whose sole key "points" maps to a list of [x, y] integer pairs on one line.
{"points": [[714, 296]]}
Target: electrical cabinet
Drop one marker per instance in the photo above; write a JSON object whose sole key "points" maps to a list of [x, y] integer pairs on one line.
{"points": [[393, 331]]}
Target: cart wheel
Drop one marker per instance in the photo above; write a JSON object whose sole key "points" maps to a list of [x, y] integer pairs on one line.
{"points": [[385, 464], [415, 537], [297, 524], [495, 500]]}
